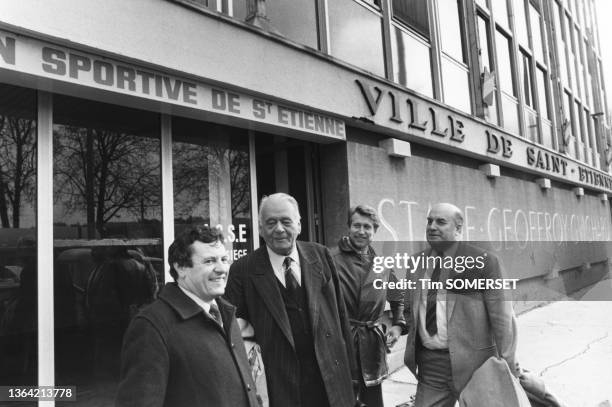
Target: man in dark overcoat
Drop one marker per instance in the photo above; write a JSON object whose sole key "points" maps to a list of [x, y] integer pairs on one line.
{"points": [[185, 349], [289, 292]]}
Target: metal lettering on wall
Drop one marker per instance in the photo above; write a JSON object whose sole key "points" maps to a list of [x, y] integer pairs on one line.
{"points": [[419, 118], [37, 58]]}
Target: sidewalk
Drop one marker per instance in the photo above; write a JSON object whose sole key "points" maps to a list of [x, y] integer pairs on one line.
{"points": [[567, 343]]}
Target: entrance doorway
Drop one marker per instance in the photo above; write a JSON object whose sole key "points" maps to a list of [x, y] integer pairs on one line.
{"points": [[291, 166]]}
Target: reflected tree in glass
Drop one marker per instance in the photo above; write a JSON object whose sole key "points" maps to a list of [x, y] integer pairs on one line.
{"points": [[109, 173], [18, 265], [196, 167], [17, 167]]}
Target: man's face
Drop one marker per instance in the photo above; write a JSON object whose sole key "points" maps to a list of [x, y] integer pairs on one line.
{"points": [[441, 226], [361, 231], [207, 277], [280, 225]]}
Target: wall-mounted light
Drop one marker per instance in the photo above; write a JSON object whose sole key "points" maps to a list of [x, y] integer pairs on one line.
{"points": [[490, 170], [395, 147], [578, 191], [603, 197], [543, 183]]}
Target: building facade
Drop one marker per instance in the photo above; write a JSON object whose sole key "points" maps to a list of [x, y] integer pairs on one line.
{"points": [[124, 122]]}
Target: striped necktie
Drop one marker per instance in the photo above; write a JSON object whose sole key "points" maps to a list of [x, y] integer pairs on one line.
{"points": [[291, 283], [215, 314]]}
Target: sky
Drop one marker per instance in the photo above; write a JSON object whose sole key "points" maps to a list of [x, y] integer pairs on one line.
{"points": [[604, 16]]}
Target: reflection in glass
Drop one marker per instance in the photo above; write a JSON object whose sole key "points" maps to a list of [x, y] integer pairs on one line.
{"points": [[531, 123], [413, 13], [502, 45], [210, 166], [570, 124], [542, 86], [356, 35], [450, 36], [526, 75], [520, 23], [579, 122], [18, 272], [561, 43], [500, 10], [107, 237], [547, 133], [484, 43], [411, 62], [482, 3], [536, 33], [486, 64], [456, 85], [510, 108], [296, 20]]}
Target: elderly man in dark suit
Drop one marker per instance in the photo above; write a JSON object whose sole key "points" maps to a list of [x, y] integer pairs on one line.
{"points": [[289, 292], [185, 349], [454, 332]]}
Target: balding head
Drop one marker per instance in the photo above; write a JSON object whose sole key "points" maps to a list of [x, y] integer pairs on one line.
{"points": [[444, 222]]}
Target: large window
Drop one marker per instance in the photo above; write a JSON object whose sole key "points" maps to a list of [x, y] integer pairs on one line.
{"points": [[500, 10], [509, 102], [211, 174], [220, 6], [536, 33], [412, 13], [410, 46], [107, 237], [520, 23], [569, 125], [487, 68], [355, 32], [296, 19], [526, 79], [18, 270], [455, 77], [411, 60]]}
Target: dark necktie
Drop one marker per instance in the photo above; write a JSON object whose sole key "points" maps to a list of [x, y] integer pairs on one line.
{"points": [[432, 293], [215, 314], [291, 283]]}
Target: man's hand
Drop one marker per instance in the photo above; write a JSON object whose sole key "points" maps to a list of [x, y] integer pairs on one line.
{"points": [[393, 335]]}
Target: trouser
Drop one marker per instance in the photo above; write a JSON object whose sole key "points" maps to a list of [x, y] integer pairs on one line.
{"points": [[435, 386]]}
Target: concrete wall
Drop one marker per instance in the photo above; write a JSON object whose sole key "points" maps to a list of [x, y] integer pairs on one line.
{"points": [[536, 232], [174, 37], [334, 191]]}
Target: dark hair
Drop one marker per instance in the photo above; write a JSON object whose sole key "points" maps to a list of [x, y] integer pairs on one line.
{"points": [[363, 210], [180, 250]]}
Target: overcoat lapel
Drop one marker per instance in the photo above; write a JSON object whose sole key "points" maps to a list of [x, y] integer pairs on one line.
{"points": [[312, 278], [451, 297], [265, 283]]}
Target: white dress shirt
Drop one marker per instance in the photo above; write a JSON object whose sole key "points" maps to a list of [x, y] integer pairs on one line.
{"points": [[277, 265], [440, 339], [202, 304]]}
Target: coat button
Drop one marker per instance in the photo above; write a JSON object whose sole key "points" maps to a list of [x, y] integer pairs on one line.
{"points": [[233, 346], [337, 363], [248, 387], [328, 335]]}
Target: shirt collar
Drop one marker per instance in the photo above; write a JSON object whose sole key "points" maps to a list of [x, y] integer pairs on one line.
{"points": [[277, 260], [204, 305], [449, 251]]}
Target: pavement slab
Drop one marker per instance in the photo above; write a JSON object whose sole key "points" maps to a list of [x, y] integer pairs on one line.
{"points": [[567, 343]]}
